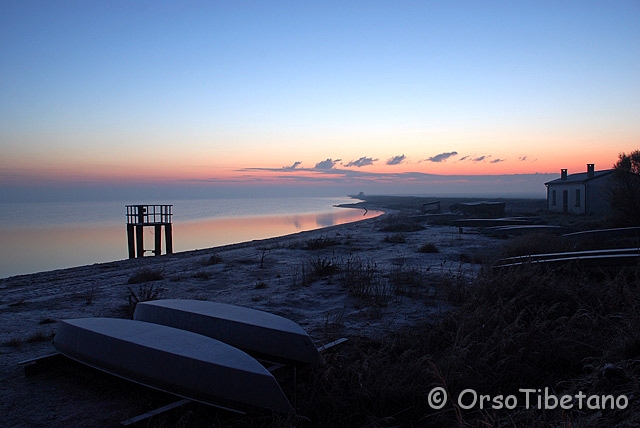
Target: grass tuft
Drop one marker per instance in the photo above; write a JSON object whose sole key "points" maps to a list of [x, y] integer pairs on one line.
{"points": [[146, 275], [145, 292], [398, 238], [321, 242]]}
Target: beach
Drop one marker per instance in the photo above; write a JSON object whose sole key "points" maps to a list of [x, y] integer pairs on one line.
{"points": [[281, 275]]}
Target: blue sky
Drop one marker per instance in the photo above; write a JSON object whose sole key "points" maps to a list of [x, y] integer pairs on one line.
{"points": [[231, 91]]}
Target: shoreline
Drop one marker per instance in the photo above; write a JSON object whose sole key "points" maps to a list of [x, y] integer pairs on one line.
{"points": [[37, 250], [276, 275]]}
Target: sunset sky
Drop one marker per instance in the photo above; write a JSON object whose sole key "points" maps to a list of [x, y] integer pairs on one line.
{"points": [[380, 96]]}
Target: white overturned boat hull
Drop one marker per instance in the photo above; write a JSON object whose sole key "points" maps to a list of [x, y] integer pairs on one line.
{"points": [[180, 362], [256, 332]]}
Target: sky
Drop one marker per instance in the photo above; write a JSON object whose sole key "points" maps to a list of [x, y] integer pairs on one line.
{"points": [[270, 97]]}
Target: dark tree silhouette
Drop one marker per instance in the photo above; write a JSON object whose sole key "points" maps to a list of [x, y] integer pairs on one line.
{"points": [[625, 192]]}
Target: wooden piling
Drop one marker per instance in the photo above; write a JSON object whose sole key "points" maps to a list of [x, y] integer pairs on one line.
{"points": [[158, 239], [131, 241], [140, 240], [168, 239], [157, 216]]}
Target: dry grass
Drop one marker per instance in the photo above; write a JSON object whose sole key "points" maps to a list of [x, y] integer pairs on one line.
{"points": [[519, 329], [146, 275], [321, 242]]}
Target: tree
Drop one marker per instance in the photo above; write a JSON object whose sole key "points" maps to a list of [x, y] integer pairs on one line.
{"points": [[625, 192]]}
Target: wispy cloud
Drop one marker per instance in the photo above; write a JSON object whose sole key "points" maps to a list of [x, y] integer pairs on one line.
{"points": [[480, 158], [327, 164], [363, 161], [294, 166], [498, 160], [522, 158], [463, 158], [441, 157], [396, 160]]}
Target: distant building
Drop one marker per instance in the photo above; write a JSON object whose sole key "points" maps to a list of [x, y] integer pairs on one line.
{"points": [[581, 193]]}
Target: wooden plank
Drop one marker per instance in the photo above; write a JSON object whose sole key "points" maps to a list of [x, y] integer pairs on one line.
{"points": [[571, 254], [156, 412], [606, 260], [37, 365], [332, 344]]}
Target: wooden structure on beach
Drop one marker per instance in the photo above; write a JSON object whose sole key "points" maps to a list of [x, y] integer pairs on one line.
{"points": [[139, 216]]}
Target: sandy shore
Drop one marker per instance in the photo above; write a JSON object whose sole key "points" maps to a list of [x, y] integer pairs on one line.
{"points": [[271, 275]]}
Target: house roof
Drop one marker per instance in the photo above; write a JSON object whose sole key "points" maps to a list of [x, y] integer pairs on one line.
{"points": [[580, 177]]}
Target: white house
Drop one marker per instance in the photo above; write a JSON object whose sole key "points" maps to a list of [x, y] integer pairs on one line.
{"points": [[582, 193]]}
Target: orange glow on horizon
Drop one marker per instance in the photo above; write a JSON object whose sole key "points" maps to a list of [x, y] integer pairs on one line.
{"points": [[272, 173]]}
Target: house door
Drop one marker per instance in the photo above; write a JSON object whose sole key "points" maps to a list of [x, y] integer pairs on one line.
{"points": [[565, 201]]}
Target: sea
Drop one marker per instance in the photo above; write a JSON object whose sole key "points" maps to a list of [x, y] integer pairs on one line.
{"points": [[43, 236]]}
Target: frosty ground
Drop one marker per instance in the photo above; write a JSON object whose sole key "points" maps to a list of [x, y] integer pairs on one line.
{"points": [[299, 276]]}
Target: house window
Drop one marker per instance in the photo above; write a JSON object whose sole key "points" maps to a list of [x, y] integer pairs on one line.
{"points": [[577, 197], [553, 197]]}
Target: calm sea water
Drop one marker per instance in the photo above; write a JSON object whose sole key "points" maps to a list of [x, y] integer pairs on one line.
{"points": [[37, 237]]}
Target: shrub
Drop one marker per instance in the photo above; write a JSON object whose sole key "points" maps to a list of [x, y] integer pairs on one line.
{"points": [[321, 243], [213, 260], [428, 247], [323, 266], [362, 279], [201, 274], [146, 275], [398, 238], [314, 269], [408, 281], [146, 292]]}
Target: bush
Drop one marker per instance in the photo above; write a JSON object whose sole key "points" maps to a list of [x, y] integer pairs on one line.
{"points": [[428, 247], [321, 243], [146, 275], [213, 260], [146, 292], [201, 275], [398, 238]]}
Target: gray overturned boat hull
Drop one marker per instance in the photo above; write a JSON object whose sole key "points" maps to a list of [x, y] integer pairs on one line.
{"points": [[256, 332], [172, 360]]}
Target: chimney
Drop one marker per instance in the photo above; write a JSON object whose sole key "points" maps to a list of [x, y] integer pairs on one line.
{"points": [[591, 168], [563, 174]]}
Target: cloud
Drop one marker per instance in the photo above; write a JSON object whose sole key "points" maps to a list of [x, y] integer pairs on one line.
{"points": [[479, 158], [396, 160], [294, 166], [522, 158], [464, 158], [363, 161], [498, 160], [442, 157], [327, 164]]}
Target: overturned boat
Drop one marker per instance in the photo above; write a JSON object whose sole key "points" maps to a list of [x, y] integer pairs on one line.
{"points": [[180, 362], [259, 333]]}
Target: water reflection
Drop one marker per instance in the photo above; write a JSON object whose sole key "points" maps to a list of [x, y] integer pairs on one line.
{"points": [[222, 231], [27, 250]]}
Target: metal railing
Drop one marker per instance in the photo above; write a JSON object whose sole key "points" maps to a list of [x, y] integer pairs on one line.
{"points": [[149, 214]]}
